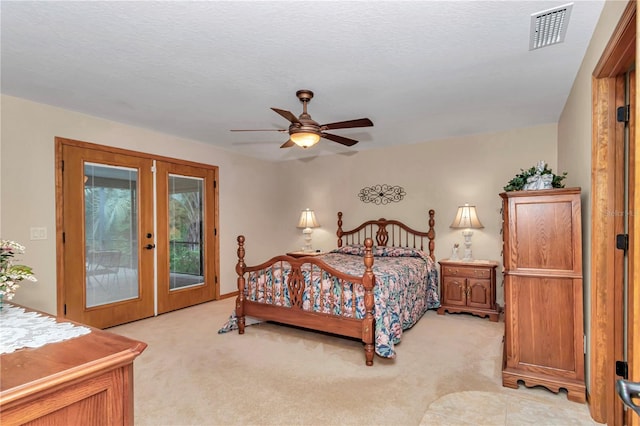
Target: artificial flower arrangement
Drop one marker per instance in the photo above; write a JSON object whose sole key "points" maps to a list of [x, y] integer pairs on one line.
{"points": [[10, 273], [539, 176]]}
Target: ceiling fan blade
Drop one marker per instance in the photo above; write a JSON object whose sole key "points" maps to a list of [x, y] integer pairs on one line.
{"points": [[287, 114], [360, 122], [339, 139], [287, 144], [258, 130]]}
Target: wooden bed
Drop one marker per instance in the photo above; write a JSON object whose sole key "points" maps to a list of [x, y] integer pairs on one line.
{"points": [[320, 293]]}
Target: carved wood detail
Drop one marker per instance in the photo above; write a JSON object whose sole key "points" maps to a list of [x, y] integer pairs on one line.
{"points": [[390, 233]]}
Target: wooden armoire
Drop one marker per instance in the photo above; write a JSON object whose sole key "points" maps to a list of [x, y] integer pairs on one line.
{"points": [[542, 256]]}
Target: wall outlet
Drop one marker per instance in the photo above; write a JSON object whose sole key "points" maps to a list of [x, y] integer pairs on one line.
{"points": [[38, 233]]}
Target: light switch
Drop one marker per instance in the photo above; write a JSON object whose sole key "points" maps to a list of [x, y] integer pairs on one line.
{"points": [[38, 233]]}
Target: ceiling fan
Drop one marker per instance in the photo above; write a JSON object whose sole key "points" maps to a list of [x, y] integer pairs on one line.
{"points": [[305, 132]]}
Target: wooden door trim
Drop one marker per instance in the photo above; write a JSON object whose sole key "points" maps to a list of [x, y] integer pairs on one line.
{"points": [[616, 59], [60, 271], [633, 321], [124, 151], [619, 54]]}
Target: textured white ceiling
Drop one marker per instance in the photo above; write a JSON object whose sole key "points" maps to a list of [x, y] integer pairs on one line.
{"points": [[420, 70]]}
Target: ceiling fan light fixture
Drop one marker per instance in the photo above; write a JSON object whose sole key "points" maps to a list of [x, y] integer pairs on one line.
{"points": [[305, 132], [305, 139]]}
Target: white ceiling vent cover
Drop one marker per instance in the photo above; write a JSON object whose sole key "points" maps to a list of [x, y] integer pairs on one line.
{"points": [[549, 26]]}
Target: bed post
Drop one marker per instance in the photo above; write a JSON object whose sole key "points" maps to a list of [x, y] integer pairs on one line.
{"points": [[432, 235], [339, 233], [240, 271], [368, 323]]}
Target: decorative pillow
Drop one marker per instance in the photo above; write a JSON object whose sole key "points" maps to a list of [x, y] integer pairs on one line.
{"points": [[354, 249], [403, 252], [396, 252], [380, 251]]}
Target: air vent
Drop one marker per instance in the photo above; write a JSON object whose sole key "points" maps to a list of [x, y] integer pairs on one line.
{"points": [[549, 26]]}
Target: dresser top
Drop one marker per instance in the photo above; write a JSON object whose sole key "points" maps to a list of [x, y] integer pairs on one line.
{"points": [[475, 262], [532, 193]]}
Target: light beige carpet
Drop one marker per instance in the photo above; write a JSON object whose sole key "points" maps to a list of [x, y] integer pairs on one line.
{"points": [[510, 407], [447, 371]]}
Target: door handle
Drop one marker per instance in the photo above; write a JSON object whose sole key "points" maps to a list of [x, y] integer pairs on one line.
{"points": [[150, 246], [627, 391]]}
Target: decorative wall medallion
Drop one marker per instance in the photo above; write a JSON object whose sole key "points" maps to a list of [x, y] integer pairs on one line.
{"points": [[382, 194]]}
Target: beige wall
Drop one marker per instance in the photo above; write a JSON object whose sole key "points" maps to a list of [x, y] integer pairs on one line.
{"points": [[28, 187], [439, 175], [574, 137]]}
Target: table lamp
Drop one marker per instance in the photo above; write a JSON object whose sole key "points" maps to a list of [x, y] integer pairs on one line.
{"points": [[307, 221], [467, 219]]}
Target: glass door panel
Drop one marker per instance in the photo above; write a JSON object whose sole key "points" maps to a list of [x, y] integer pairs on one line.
{"points": [[186, 246], [111, 230], [187, 240]]}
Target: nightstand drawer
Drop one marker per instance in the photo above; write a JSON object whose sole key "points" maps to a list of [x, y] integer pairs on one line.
{"points": [[457, 271]]}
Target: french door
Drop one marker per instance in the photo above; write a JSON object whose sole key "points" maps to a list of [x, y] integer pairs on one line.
{"points": [[186, 205], [137, 234]]}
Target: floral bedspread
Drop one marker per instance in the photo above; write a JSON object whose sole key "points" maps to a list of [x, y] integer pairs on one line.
{"points": [[406, 287]]}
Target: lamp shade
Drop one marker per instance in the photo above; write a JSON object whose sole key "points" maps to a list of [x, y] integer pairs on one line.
{"points": [[305, 139], [308, 219], [467, 217]]}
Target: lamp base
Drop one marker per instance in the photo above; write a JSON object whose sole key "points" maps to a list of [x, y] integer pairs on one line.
{"points": [[468, 256], [307, 240]]}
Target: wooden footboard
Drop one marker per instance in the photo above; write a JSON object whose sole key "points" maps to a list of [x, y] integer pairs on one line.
{"points": [[309, 293]]}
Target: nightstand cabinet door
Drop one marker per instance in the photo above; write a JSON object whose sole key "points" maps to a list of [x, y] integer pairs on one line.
{"points": [[454, 291], [469, 287], [479, 293]]}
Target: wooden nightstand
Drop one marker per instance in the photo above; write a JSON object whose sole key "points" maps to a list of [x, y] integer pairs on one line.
{"points": [[469, 287], [304, 253]]}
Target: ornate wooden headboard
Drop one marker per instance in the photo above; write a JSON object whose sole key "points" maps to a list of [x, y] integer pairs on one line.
{"points": [[389, 233]]}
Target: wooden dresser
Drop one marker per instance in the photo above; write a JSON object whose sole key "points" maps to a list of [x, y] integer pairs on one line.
{"points": [[542, 256], [87, 380]]}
